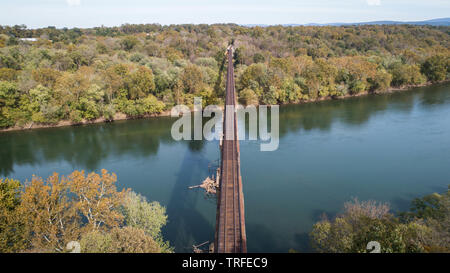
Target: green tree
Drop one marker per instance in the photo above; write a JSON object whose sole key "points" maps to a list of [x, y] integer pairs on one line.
{"points": [[434, 211], [436, 68], [381, 81], [9, 97], [248, 97], [129, 42], [403, 74], [363, 222], [8, 74], [119, 240], [140, 83]]}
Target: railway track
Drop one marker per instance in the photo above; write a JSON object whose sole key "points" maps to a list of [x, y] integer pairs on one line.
{"points": [[230, 226]]}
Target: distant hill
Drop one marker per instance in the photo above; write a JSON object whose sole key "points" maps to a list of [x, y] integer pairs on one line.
{"points": [[432, 22]]}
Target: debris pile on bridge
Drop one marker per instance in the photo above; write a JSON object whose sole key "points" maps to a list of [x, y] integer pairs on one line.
{"points": [[201, 248], [210, 185]]}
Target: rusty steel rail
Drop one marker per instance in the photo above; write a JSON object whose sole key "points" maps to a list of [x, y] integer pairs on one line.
{"points": [[230, 221]]}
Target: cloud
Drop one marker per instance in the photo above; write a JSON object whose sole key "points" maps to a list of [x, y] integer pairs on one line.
{"points": [[374, 2], [73, 2]]}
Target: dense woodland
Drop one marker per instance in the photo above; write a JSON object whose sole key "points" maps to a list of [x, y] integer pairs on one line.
{"points": [[80, 75]]}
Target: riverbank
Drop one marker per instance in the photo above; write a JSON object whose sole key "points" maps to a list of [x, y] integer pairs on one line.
{"points": [[122, 116]]}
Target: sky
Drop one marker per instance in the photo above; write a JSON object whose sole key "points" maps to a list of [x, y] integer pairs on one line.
{"points": [[91, 13]]}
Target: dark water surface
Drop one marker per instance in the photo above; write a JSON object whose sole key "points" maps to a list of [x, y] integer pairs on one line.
{"points": [[387, 147]]}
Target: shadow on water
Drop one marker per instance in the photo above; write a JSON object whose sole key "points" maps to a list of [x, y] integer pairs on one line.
{"points": [[260, 238], [186, 225], [318, 214], [352, 111], [303, 243], [401, 204]]}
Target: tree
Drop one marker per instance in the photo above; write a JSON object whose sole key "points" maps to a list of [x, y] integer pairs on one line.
{"points": [[363, 222], [258, 58], [147, 216], [9, 96], [381, 81], [436, 67], [46, 76], [8, 74], [46, 215], [12, 237], [140, 83], [129, 42], [434, 211], [152, 105], [114, 78], [192, 79], [41, 105], [97, 198], [254, 77], [403, 74], [119, 240], [70, 87], [51, 218], [248, 97]]}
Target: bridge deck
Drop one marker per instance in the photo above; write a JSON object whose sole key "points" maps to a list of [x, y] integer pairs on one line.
{"points": [[230, 226]]}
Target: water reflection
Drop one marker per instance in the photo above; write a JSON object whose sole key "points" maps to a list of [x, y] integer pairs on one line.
{"points": [[84, 146], [87, 146], [353, 111], [187, 226]]}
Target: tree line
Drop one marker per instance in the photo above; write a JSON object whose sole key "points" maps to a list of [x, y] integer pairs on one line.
{"points": [[137, 70]]}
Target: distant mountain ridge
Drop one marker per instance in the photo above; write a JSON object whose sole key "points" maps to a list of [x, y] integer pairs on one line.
{"points": [[432, 22]]}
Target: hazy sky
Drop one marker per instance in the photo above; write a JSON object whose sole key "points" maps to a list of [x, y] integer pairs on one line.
{"points": [[89, 13]]}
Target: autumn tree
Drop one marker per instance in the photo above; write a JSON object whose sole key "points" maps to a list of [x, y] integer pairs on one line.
{"points": [[43, 216], [12, 235], [46, 76], [192, 79], [52, 219], [97, 198], [140, 83], [8, 74]]}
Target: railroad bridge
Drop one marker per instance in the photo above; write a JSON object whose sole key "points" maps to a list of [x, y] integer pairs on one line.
{"points": [[230, 234]]}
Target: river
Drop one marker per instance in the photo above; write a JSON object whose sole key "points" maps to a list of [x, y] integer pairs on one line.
{"points": [[391, 147]]}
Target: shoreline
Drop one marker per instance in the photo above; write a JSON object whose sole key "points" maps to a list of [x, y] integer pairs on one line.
{"points": [[166, 113]]}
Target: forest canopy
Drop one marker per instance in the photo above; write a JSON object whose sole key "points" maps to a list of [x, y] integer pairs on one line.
{"points": [[137, 70]]}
